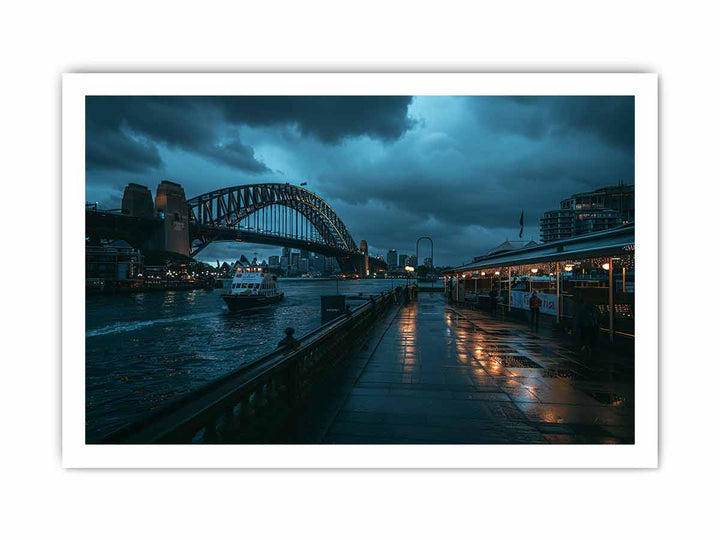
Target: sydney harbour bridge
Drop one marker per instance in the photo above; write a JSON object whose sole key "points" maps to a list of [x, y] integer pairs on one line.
{"points": [[277, 214]]}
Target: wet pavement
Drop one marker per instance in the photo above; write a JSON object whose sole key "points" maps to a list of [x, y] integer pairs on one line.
{"points": [[436, 374]]}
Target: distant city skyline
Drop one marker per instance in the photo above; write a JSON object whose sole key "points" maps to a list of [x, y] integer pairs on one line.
{"points": [[459, 169]]}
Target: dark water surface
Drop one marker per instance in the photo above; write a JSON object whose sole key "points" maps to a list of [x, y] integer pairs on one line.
{"points": [[145, 349]]}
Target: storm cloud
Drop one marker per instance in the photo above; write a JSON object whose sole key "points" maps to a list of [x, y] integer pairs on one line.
{"points": [[457, 168], [205, 125]]}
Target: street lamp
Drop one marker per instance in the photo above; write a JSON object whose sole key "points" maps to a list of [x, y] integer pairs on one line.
{"points": [[409, 270]]}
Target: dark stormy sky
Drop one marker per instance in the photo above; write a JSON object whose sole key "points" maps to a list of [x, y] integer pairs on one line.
{"points": [[459, 169]]}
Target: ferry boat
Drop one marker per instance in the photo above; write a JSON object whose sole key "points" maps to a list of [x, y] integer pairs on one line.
{"points": [[252, 287]]}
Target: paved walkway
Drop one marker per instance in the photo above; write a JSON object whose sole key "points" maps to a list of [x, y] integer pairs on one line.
{"points": [[437, 374]]}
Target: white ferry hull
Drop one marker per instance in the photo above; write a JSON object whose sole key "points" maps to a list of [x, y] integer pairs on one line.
{"points": [[241, 302]]}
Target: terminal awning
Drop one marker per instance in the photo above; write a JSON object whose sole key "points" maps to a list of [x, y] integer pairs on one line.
{"points": [[617, 241]]}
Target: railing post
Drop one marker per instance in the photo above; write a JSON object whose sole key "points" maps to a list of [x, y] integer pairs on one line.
{"points": [[611, 300], [557, 292], [509, 289]]}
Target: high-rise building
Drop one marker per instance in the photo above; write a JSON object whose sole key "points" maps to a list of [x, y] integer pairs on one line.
{"points": [[402, 261], [620, 198], [274, 261], [412, 261], [304, 266], [304, 254], [294, 260], [588, 212], [428, 263], [556, 225], [392, 258], [316, 262], [331, 265]]}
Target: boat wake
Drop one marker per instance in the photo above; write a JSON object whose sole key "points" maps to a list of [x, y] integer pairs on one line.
{"points": [[132, 326]]}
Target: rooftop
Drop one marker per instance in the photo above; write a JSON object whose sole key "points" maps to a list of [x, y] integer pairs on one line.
{"points": [[608, 242]]}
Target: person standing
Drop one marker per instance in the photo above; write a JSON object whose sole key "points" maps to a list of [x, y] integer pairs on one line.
{"points": [[535, 304]]}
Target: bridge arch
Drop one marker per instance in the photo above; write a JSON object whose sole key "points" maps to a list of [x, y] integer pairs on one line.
{"points": [[227, 208]]}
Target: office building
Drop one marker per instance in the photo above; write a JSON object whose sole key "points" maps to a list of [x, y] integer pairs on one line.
{"points": [[392, 258], [588, 212]]}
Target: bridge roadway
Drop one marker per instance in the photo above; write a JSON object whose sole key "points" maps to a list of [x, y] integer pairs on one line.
{"points": [[435, 374]]}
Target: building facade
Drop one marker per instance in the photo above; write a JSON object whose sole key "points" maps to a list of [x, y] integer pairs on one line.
{"points": [[588, 212], [117, 261], [392, 258]]}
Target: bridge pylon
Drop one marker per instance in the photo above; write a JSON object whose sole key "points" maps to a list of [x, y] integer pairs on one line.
{"points": [[171, 206]]}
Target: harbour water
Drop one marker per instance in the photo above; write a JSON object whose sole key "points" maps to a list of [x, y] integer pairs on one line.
{"points": [[145, 349]]}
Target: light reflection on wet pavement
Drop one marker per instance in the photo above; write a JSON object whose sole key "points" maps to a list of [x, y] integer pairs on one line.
{"points": [[446, 375]]}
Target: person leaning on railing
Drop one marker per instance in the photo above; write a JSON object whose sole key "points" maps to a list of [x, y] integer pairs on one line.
{"points": [[288, 341]]}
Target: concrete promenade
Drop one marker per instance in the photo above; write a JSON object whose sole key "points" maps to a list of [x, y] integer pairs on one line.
{"points": [[436, 374]]}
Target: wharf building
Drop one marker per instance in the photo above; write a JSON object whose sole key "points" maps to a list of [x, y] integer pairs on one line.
{"points": [[589, 212], [114, 261], [591, 272]]}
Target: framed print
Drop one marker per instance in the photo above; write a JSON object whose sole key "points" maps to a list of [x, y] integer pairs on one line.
{"points": [[360, 270]]}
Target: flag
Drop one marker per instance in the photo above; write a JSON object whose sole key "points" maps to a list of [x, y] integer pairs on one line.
{"points": [[522, 222]]}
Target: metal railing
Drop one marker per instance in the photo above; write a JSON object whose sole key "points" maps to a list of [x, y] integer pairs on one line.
{"points": [[258, 401]]}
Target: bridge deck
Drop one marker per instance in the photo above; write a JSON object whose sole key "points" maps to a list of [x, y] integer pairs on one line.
{"points": [[435, 374]]}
